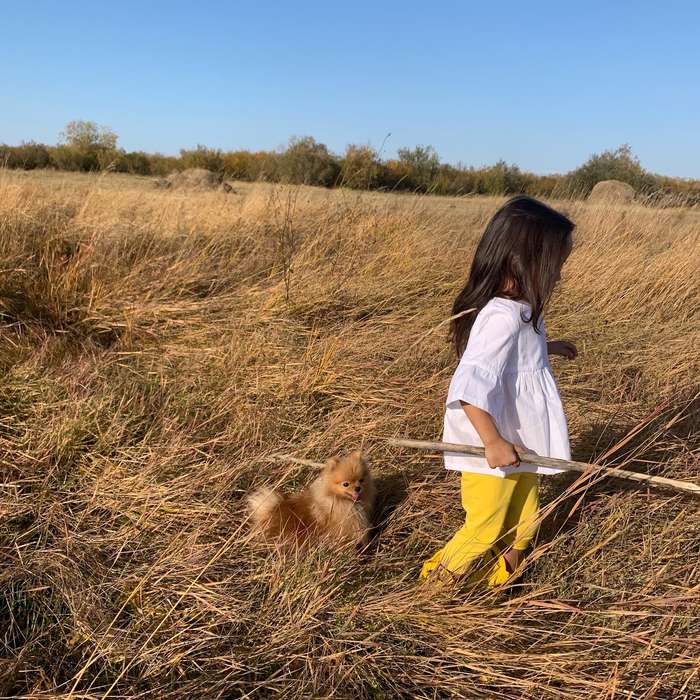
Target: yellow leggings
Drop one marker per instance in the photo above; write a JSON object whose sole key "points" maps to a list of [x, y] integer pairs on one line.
{"points": [[501, 514]]}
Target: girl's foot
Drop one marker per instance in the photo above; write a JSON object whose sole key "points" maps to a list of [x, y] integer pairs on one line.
{"points": [[513, 558]]}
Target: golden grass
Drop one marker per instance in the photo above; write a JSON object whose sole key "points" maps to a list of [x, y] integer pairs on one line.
{"points": [[157, 348]]}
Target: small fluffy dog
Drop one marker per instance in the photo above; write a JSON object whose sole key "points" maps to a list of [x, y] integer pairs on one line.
{"points": [[338, 504]]}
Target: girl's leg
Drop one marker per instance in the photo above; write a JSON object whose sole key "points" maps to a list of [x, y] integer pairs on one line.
{"points": [[485, 499], [521, 520]]}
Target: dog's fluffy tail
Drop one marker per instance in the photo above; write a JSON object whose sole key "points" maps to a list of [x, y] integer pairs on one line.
{"points": [[261, 504]]}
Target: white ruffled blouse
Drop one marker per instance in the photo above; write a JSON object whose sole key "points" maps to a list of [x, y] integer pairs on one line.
{"points": [[505, 371]]}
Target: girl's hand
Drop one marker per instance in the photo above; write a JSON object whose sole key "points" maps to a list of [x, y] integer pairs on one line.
{"points": [[564, 348], [500, 453]]}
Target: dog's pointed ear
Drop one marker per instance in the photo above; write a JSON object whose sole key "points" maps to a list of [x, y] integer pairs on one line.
{"points": [[332, 463], [361, 457]]}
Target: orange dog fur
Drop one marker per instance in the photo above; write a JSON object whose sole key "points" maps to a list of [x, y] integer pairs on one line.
{"points": [[337, 504]]}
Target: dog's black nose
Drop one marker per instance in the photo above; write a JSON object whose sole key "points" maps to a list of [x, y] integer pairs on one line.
{"points": [[358, 489]]}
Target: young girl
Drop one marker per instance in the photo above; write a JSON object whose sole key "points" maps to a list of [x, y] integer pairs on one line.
{"points": [[503, 395]]}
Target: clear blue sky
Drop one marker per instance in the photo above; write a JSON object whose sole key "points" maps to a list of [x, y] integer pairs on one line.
{"points": [[540, 84]]}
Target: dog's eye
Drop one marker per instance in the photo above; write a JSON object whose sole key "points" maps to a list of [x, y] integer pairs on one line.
{"points": [[362, 480], [346, 484]]}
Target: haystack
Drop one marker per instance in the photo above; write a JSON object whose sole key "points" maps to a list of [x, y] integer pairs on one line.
{"points": [[612, 192], [194, 179]]}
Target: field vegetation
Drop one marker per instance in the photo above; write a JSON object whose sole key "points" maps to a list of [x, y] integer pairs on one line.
{"points": [[87, 147], [158, 348]]}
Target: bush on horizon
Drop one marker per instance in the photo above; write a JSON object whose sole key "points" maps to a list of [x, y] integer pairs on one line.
{"points": [[85, 146]]}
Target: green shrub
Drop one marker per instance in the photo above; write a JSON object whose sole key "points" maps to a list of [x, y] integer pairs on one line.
{"points": [[251, 166], [420, 166], [161, 165], [674, 192], [501, 178], [87, 135], [455, 180], [619, 164], [361, 168], [202, 157], [135, 163], [71, 158], [239, 165], [307, 162], [546, 185], [86, 146], [28, 155]]}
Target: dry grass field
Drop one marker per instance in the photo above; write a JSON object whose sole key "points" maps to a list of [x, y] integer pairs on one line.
{"points": [[157, 348]]}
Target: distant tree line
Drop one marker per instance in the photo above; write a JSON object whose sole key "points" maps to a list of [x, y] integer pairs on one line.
{"points": [[86, 146]]}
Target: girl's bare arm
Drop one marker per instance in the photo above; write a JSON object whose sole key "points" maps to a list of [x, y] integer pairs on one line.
{"points": [[565, 348], [499, 452]]}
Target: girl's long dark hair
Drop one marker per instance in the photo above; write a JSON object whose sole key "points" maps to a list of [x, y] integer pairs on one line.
{"points": [[520, 255]]}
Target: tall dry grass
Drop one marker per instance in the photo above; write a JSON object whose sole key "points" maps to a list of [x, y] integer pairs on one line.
{"points": [[158, 348]]}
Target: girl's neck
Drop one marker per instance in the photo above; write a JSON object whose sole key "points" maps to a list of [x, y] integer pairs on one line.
{"points": [[509, 290]]}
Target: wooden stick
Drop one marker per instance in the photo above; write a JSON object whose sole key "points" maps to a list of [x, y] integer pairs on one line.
{"points": [[531, 458]]}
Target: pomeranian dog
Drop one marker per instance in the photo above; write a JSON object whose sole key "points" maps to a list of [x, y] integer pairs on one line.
{"points": [[337, 505]]}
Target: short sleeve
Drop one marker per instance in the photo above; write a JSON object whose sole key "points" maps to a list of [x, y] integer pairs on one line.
{"points": [[491, 349]]}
